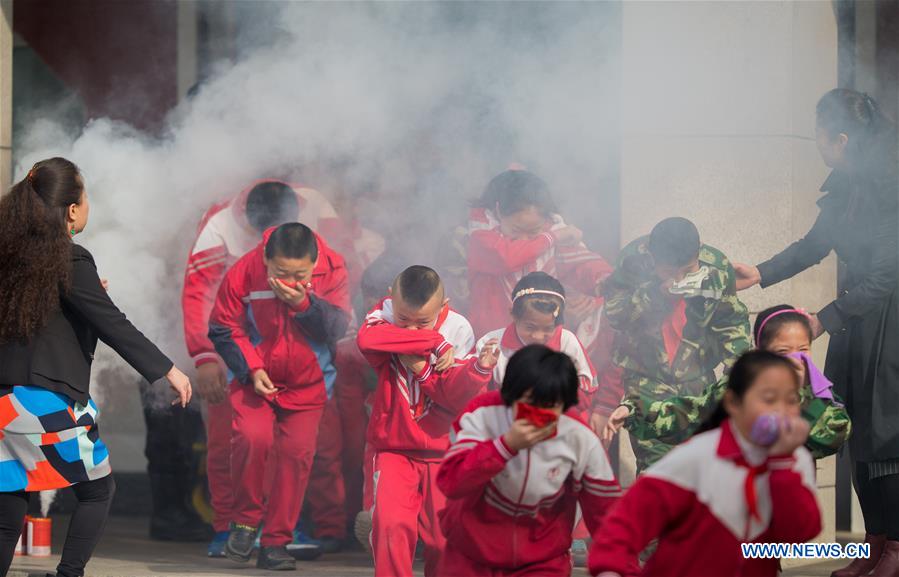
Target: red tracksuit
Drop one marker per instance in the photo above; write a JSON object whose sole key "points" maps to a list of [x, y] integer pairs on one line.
{"points": [[496, 263], [223, 236], [408, 431], [702, 500], [253, 330], [511, 513]]}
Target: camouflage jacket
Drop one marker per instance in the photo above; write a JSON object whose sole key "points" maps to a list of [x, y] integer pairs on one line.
{"points": [[674, 420], [717, 328]]}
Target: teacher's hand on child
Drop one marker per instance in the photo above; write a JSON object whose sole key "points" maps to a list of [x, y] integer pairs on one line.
{"points": [[292, 296], [747, 276], [489, 355], [262, 384], [568, 236], [414, 363], [614, 424], [524, 435], [180, 384], [793, 434], [817, 327], [446, 360], [212, 382]]}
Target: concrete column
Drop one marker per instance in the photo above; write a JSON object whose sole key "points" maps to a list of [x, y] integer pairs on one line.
{"points": [[187, 46], [6, 43], [718, 105]]}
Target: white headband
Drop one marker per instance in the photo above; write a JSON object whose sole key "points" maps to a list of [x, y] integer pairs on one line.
{"points": [[533, 291]]}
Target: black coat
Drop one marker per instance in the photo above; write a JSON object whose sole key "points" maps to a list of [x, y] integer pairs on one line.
{"points": [[59, 356], [857, 220]]}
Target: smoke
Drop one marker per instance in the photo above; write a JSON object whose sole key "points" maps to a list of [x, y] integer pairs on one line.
{"points": [[407, 108]]}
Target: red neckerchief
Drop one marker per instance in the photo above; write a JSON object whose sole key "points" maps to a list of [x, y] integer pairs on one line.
{"points": [[512, 341], [673, 329], [728, 448]]}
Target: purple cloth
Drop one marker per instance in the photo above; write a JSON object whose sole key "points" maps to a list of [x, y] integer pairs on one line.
{"points": [[821, 386]]}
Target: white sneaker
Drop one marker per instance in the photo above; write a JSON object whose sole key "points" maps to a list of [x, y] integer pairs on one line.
{"points": [[362, 529]]}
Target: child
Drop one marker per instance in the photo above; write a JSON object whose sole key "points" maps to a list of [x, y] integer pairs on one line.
{"points": [[739, 480], [276, 321], [673, 301], [538, 307], [514, 230], [520, 463], [422, 352], [783, 330]]}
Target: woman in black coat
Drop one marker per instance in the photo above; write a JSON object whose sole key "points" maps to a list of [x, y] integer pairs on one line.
{"points": [[858, 220], [53, 309]]}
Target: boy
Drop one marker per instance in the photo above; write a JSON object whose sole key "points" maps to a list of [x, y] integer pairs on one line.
{"points": [[276, 322], [673, 302], [421, 351]]}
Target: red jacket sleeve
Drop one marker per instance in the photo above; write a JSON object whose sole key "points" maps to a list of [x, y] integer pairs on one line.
{"points": [[469, 465], [492, 252], [205, 271], [795, 516], [228, 325], [325, 315], [455, 387], [378, 339], [599, 490], [581, 269], [636, 519]]}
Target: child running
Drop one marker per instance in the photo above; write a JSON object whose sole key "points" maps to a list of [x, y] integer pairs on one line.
{"points": [[520, 462], [744, 478]]}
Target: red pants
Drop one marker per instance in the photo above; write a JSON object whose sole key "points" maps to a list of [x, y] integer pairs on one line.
{"points": [[218, 463], [455, 564], [326, 496], [260, 431], [406, 504]]}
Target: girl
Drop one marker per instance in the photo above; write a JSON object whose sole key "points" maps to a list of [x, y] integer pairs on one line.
{"points": [[53, 308], [514, 229], [519, 464], [737, 481], [858, 220], [783, 330], [538, 307]]}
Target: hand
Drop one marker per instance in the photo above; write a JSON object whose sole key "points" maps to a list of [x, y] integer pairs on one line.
{"points": [[524, 435], [414, 363], [262, 384], [105, 284], [446, 360], [598, 423], [817, 327], [747, 276], [793, 434], [578, 308], [180, 384], [568, 236], [212, 383], [489, 355], [616, 421], [291, 296], [800, 368]]}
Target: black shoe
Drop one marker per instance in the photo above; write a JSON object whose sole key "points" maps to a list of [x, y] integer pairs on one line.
{"points": [[240, 543], [275, 559], [304, 551], [330, 545]]}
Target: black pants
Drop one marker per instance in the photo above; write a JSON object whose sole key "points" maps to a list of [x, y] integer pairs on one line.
{"points": [[879, 500], [85, 528]]}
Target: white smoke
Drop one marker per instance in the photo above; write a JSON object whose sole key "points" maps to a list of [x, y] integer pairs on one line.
{"points": [[418, 103]]}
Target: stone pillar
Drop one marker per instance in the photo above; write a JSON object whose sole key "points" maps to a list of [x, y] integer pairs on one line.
{"points": [[718, 111], [6, 44]]}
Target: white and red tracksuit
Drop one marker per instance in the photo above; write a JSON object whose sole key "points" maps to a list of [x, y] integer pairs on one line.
{"points": [[408, 430], [511, 513], [702, 500], [496, 263], [562, 340], [251, 330], [223, 236]]}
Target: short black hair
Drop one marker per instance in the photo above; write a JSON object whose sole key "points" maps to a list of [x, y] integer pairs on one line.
{"points": [[549, 376], [271, 203], [514, 190], [292, 240], [417, 285], [543, 303], [674, 241], [380, 274]]}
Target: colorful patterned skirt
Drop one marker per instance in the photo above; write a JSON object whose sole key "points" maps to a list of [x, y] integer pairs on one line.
{"points": [[48, 441]]}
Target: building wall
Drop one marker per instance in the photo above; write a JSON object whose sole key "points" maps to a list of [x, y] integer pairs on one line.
{"points": [[718, 103]]}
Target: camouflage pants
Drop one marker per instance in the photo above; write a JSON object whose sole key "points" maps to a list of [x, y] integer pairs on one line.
{"points": [[648, 452]]}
